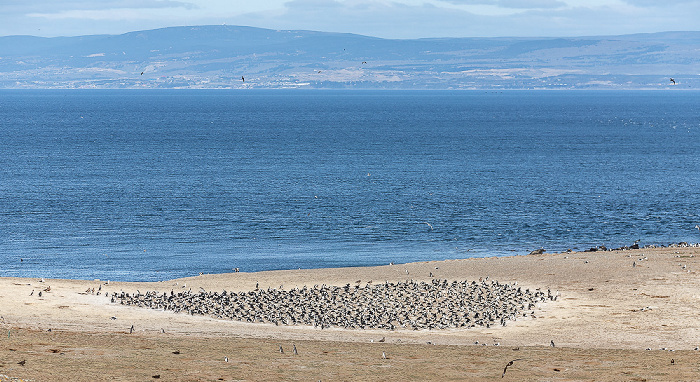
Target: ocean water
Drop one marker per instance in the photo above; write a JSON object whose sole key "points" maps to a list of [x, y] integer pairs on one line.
{"points": [[152, 185]]}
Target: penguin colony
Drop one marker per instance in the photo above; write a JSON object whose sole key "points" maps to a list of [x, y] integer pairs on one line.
{"points": [[437, 304]]}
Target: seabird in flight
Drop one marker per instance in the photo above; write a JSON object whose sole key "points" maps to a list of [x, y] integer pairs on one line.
{"points": [[507, 365]]}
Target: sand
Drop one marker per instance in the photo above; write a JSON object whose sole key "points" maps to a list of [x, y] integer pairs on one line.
{"points": [[607, 314]]}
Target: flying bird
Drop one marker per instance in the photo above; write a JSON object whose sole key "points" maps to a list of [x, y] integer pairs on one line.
{"points": [[242, 78], [507, 365], [673, 81]]}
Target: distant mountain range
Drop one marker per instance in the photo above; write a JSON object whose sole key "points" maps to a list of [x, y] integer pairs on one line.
{"points": [[245, 57]]}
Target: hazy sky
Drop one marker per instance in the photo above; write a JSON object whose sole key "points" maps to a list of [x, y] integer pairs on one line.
{"points": [[391, 19]]}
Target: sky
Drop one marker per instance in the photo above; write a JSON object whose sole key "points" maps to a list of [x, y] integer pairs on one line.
{"points": [[401, 19]]}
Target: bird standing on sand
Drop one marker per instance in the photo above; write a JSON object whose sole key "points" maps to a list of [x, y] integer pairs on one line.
{"points": [[132, 329], [551, 343], [281, 350], [294, 349], [507, 365]]}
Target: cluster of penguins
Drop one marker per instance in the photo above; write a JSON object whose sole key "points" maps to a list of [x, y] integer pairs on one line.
{"points": [[437, 304]]}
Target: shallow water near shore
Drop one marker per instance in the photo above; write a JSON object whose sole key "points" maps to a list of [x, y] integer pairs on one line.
{"points": [[153, 185]]}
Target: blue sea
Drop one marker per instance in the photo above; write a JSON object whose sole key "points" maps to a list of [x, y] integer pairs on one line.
{"points": [[152, 185]]}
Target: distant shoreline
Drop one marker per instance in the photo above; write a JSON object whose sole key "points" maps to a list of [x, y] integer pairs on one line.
{"points": [[602, 249], [351, 90], [266, 58]]}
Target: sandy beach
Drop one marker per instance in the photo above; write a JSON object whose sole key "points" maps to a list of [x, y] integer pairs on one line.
{"points": [[620, 315]]}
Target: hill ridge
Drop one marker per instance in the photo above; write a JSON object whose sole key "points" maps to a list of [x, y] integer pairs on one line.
{"points": [[220, 56]]}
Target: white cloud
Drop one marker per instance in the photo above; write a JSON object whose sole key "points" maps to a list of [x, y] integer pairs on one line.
{"points": [[518, 4], [313, 5], [660, 4], [107, 14], [381, 18], [49, 6]]}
